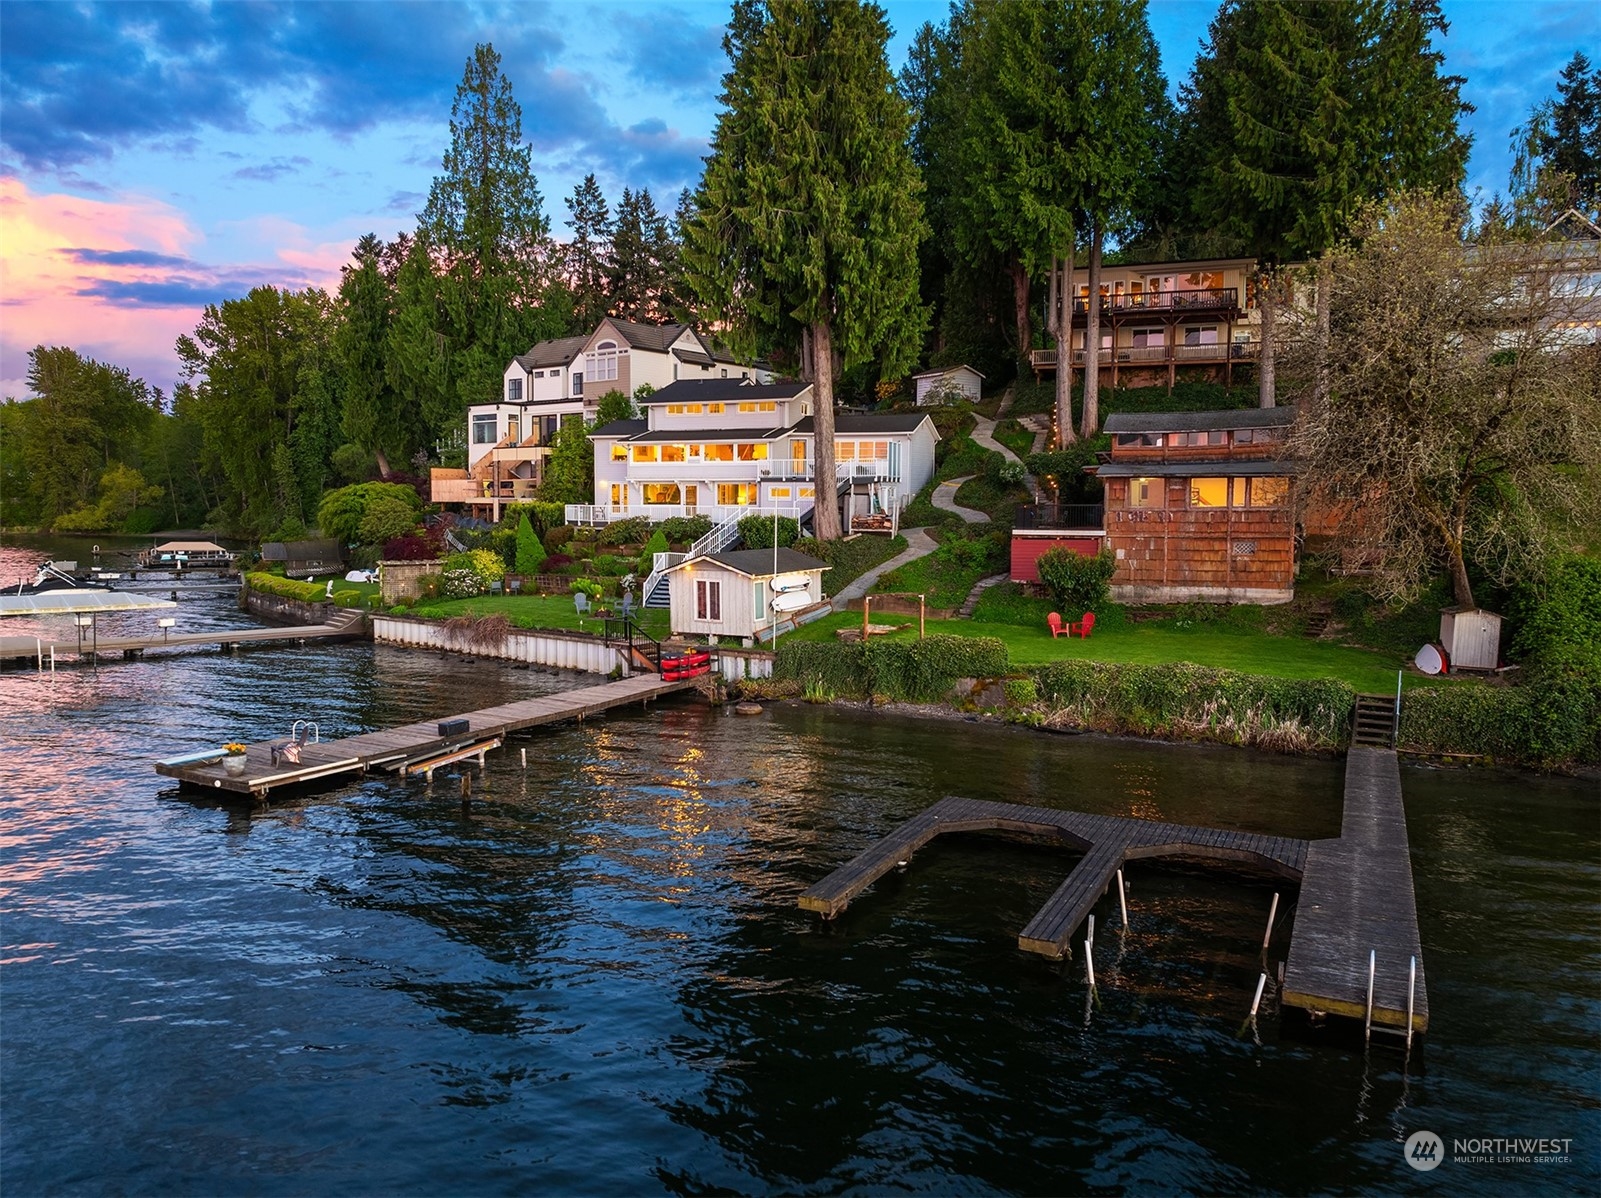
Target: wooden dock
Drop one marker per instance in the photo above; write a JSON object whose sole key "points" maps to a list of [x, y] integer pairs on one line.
{"points": [[349, 625], [1357, 899], [413, 745], [1107, 842]]}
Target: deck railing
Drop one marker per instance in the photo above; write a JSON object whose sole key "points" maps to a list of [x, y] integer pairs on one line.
{"points": [[1058, 516], [1183, 300]]}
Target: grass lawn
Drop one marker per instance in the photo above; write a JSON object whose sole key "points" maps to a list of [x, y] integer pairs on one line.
{"points": [[1154, 643], [945, 582], [537, 611], [1014, 436]]}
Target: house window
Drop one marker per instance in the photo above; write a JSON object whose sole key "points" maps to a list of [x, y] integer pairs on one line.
{"points": [[1145, 492], [778, 492], [1149, 338], [547, 428], [708, 599], [1209, 492], [619, 452], [807, 492], [484, 430], [645, 453], [514, 390], [1143, 440], [714, 409], [1206, 335], [753, 451], [845, 451], [719, 453], [539, 374], [736, 494], [660, 493], [674, 453], [619, 495], [1209, 280], [763, 406], [1270, 492], [578, 382], [600, 364]]}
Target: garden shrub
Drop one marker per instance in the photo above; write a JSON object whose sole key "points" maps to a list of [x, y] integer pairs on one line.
{"points": [[557, 561], [386, 518], [545, 517], [419, 546], [656, 544], [757, 532], [1188, 701], [1077, 584], [558, 537], [341, 512], [530, 553], [470, 573], [589, 586], [906, 671], [347, 598], [685, 530], [631, 531], [288, 588]]}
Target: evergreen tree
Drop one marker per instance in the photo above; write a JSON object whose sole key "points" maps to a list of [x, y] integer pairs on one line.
{"points": [[589, 252], [642, 253], [372, 415], [416, 361], [530, 552], [1557, 151], [570, 468], [809, 214]]}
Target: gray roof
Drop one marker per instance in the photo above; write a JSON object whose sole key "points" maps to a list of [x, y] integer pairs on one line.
{"points": [[758, 563], [621, 428], [551, 353], [888, 422], [1215, 468], [299, 551], [719, 390], [1198, 422], [683, 436], [937, 370], [655, 337], [694, 357]]}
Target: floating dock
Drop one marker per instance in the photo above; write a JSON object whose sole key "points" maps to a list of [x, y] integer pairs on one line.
{"points": [[1357, 900], [1107, 841], [350, 625], [415, 747]]}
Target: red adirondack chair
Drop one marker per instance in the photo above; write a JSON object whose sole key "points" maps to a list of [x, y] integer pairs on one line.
{"points": [[1083, 627], [1054, 623]]}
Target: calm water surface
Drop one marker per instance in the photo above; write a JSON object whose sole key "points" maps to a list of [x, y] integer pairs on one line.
{"points": [[597, 981]]}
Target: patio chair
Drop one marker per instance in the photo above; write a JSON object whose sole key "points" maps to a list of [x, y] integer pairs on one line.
{"points": [[581, 602], [514, 586], [494, 587], [1083, 627], [1054, 623], [628, 604]]}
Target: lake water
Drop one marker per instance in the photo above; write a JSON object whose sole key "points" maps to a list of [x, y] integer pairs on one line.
{"points": [[596, 981]]}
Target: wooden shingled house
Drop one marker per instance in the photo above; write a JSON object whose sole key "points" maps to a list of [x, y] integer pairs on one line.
{"points": [[1198, 506]]}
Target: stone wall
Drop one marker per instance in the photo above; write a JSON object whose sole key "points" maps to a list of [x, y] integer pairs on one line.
{"points": [[398, 580], [278, 610]]}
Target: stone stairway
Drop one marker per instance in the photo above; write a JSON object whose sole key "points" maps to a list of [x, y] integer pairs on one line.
{"points": [[1374, 723], [983, 584]]}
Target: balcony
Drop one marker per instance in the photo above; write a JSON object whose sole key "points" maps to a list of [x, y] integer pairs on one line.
{"points": [[1199, 299], [455, 490], [1154, 355], [1060, 517]]}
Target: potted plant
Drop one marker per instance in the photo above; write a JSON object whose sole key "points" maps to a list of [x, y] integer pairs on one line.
{"points": [[233, 760]]}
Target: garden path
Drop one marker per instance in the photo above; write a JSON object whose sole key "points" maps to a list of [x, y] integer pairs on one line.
{"points": [[918, 544], [944, 497]]}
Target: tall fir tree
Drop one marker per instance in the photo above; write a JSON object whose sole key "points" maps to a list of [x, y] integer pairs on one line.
{"points": [[810, 212], [1557, 151], [589, 253], [642, 254], [373, 417]]}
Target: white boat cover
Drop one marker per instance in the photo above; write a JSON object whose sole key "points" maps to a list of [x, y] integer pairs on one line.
{"points": [[79, 601]]}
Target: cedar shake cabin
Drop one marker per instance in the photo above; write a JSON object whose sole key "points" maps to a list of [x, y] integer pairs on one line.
{"points": [[1198, 506]]}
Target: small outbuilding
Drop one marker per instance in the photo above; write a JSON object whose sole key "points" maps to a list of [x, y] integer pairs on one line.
{"points": [[743, 594], [302, 559], [946, 383]]}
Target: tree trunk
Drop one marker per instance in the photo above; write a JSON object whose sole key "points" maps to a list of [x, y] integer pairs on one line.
{"points": [[1025, 333], [825, 497], [1268, 302], [1092, 338], [1064, 354], [383, 463], [1325, 285], [1461, 589], [807, 372]]}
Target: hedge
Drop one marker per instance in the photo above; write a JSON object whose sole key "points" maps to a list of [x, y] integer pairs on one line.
{"points": [[1196, 702], [288, 588], [1522, 725], [918, 671]]}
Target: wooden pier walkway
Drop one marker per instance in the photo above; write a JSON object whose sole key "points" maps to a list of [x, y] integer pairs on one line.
{"points": [[1356, 899], [413, 745], [348, 625], [1107, 842]]}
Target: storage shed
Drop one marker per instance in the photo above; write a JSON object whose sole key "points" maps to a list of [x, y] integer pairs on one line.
{"points": [[729, 595], [302, 559], [1472, 638], [945, 382]]}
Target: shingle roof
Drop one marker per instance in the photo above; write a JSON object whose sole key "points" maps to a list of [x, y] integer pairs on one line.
{"points": [[718, 390], [657, 337], [943, 370], [888, 422], [758, 563], [681, 436], [621, 428], [694, 357], [551, 353], [1198, 422]]}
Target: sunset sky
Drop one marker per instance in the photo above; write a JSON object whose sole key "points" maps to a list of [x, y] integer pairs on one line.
{"points": [[158, 157]]}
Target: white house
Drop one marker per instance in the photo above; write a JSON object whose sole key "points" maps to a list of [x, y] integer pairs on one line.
{"points": [[942, 382], [733, 594], [727, 448]]}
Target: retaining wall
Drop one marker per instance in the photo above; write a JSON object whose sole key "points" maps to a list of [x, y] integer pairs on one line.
{"points": [[292, 612]]}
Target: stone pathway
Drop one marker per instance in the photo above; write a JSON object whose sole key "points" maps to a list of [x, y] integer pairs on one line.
{"points": [[944, 497], [918, 544], [983, 584]]}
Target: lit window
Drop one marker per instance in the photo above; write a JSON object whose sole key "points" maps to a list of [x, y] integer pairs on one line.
{"points": [[1209, 492], [753, 452], [659, 492], [1145, 492], [715, 409], [807, 492], [736, 494], [673, 453], [719, 453], [644, 453], [778, 492], [619, 452], [845, 451]]}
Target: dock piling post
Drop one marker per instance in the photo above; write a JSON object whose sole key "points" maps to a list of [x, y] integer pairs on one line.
{"points": [[1271, 912], [1367, 1023], [38, 646], [1257, 1001], [1411, 998], [525, 758], [1090, 934], [1089, 963], [1122, 899]]}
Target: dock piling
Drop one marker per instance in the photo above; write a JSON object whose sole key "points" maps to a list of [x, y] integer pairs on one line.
{"points": [[1089, 936], [1367, 1023], [1257, 1001], [1122, 899], [1411, 998], [1089, 963], [1271, 912], [525, 758]]}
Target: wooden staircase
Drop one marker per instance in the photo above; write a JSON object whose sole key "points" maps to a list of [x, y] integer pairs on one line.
{"points": [[1374, 724]]}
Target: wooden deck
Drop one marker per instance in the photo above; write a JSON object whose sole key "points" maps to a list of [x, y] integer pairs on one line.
{"points": [[397, 748], [1107, 842], [1357, 898], [350, 625]]}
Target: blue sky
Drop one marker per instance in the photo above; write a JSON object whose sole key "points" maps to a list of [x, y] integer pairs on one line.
{"points": [[158, 156]]}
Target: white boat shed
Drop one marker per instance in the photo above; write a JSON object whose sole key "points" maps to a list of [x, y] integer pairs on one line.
{"points": [[742, 594], [946, 383]]}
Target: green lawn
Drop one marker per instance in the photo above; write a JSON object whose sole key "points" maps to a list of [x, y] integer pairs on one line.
{"points": [[537, 611], [1012, 434], [1153, 643]]}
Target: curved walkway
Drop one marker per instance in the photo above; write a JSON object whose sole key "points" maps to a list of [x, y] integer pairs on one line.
{"points": [[918, 544], [944, 498]]}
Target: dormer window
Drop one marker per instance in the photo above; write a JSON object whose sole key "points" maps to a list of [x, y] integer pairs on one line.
{"points": [[514, 390]]}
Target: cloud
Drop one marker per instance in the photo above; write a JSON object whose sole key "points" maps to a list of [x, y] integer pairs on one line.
{"points": [[269, 172], [667, 50], [171, 293], [123, 258]]}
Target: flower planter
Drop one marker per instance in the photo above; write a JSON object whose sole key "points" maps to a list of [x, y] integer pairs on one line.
{"points": [[234, 764]]}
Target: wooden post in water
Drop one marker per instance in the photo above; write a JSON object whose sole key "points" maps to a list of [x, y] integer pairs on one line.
{"points": [[1367, 1022], [1271, 912], [1255, 1002], [1122, 899], [1089, 963]]}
